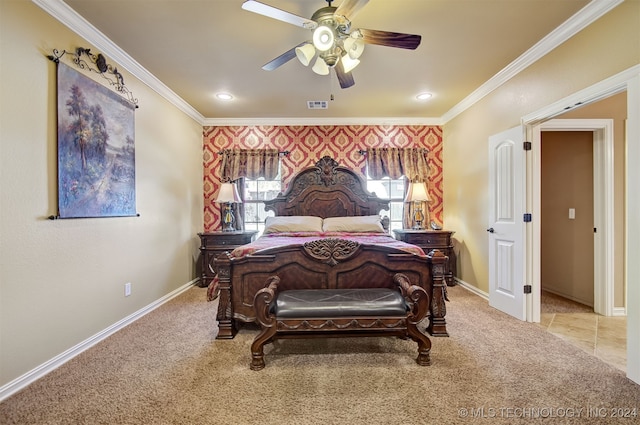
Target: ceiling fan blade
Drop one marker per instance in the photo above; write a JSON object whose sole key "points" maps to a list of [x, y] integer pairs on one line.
{"points": [[282, 59], [279, 14], [390, 39], [345, 78], [348, 8]]}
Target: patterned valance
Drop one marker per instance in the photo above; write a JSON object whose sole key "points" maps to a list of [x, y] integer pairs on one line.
{"points": [[396, 162], [250, 163]]}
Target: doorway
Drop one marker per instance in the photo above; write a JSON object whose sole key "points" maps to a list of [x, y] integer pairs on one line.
{"points": [[629, 81], [603, 203], [567, 217], [584, 152]]}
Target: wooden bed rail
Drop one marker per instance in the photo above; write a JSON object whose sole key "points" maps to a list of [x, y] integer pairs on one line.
{"points": [[241, 278]]}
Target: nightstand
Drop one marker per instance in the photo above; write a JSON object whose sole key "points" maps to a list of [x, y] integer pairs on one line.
{"points": [[215, 243], [429, 240]]}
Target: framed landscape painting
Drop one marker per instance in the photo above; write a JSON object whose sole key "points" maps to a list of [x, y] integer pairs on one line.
{"points": [[96, 150]]}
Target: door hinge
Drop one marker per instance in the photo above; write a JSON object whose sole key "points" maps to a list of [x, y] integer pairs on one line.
{"points": [[527, 289], [527, 218], [526, 146]]}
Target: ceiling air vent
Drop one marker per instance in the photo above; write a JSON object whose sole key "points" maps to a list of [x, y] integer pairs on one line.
{"points": [[317, 104]]}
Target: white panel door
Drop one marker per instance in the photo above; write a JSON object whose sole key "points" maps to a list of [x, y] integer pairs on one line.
{"points": [[507, 194]]}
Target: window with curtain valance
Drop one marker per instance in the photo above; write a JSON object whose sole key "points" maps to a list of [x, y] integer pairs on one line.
{"points": [[243, 165], [412, 163]]}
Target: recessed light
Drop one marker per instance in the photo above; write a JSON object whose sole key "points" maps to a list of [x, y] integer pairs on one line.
{"points": [[224, 96], [424, 96]]}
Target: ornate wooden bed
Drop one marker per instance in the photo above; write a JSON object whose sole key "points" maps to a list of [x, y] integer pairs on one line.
{"points": [[325, 190]]}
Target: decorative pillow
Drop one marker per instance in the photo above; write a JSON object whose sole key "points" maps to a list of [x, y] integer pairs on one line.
{"points": [[294, 223], [366, 223]]}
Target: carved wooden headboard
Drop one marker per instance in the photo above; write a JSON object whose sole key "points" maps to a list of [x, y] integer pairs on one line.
{"points": [[326, 190]]}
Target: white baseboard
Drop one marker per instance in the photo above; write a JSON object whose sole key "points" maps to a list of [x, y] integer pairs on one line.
{"points": [[619, 311], [473, 289], [33, 375], [569, 297]]}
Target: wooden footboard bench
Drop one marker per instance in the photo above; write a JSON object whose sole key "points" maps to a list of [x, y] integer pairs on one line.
{"points": [[308, 313]]}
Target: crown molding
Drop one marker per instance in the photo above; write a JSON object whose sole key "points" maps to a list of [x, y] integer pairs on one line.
{"points": [[222, 122], [69, 17], [583, 18]]}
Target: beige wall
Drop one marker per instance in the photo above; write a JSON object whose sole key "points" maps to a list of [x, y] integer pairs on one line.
{"points": [[566, 248], [608, 46], [62, 281]]}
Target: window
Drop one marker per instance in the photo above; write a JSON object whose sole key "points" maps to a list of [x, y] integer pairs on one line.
{"points": [[255, 193], [393, 190]]}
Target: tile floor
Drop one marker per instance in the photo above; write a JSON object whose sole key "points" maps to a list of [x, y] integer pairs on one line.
{"points": [[604, 337]]}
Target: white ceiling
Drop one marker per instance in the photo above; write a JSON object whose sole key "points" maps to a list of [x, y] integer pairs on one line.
{"points": [[198, 48]]}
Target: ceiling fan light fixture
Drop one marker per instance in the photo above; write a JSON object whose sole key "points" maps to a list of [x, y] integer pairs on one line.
{"points": [[305, 53], [332, 38], [354, 47], [320, 67], [348, 63], [331, 58], [323, 38]]}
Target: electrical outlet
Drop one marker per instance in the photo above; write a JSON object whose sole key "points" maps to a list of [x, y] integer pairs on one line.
{"points": [[127, 289]]}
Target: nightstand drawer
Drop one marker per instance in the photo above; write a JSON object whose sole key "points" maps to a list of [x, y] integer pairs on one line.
{"points": [[217, 239], [215, 243], [429, 240]]}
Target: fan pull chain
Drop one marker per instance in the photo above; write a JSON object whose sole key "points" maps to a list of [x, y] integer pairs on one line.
{"points": [[331, 80]]}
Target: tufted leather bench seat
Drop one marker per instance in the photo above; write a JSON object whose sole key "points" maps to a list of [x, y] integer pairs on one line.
{"points": [[339, 302], [308, 313]]}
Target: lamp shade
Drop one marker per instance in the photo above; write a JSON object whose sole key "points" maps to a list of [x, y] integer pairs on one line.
{"points": [[348, 63], [417, 193], [305, 53], [320, 67], [354, 47], [228, 193], [323, 38]]}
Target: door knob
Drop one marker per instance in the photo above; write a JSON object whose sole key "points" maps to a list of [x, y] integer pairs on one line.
{"points": [[490, 230]]}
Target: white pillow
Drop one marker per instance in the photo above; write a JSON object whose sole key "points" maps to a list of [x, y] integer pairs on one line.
{"points": [[366, 223], [294, 223]]}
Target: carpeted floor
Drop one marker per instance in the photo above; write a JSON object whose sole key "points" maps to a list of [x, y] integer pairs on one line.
{"points": [[167, 368], [552, 303]]}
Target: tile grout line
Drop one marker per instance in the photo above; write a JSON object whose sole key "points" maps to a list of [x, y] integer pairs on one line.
{"points": [[596, 337], [553, 317]]}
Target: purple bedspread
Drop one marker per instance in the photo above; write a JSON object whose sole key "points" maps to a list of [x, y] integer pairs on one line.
{"points": [[273, 240]]}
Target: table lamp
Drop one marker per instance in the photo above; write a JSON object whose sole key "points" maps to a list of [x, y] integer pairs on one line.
{"points": [[417, 194], [228, 195]]}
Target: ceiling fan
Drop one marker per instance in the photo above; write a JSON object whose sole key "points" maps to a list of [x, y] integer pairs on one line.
{"points": [[334, 44]]}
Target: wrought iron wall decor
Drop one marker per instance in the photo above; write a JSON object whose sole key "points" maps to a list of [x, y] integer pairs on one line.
{"points": [[96, 149], [84, 59]]}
